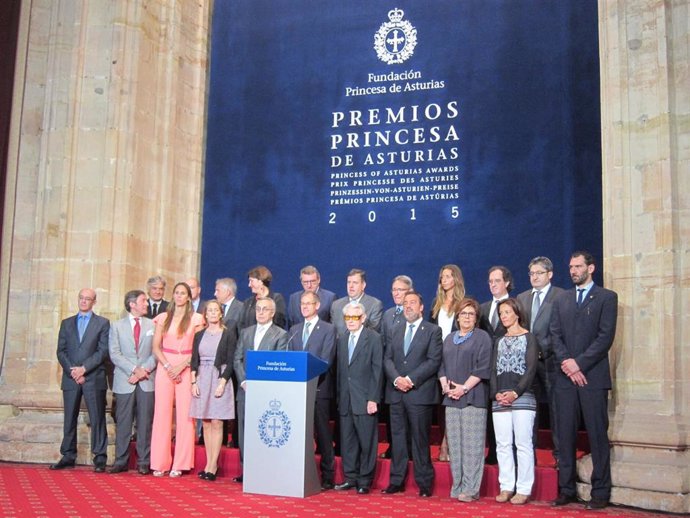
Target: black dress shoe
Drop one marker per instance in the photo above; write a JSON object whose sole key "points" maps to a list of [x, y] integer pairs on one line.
{"points": [[143, 470], [99, 468], [62, 464], [426, 493], [362, 490], [201, 474], [595, 504], [118, 468], [345, 486], [326, 485], [393, 488], [564, 499], [209, 476], [239, 479]]}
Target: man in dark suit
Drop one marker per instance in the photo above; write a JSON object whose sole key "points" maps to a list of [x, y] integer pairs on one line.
{"points": [[536, 305], [318, 337], [583, 327], [82, 350], [262, 336], [356, 283], [155, 288], [310, 278], [500, 285], [226, 291], [195, 288], [133, 383], [392, 317], [360, 368], [411, 362]]}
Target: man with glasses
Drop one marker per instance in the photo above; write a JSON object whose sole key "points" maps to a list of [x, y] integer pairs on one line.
{"points": [[360, 368], [310, 278], [536, 305], [318, 337], [82, 350], [262, 336]]}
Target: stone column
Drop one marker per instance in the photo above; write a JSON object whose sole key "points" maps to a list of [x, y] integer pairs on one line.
{"points": [[107, 147], [645, 90]]}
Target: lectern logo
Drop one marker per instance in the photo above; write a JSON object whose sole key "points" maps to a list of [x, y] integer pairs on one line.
{"points": [[395, 40], [274, 426]]}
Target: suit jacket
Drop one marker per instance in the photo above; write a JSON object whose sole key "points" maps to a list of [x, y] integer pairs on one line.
{"points": [[248, 317], [585, 334], [225, 354], [421, 364], [294, 314], [485, 323], [91, 352], [541, 327], [234, 312], [125, 357], [201, 307], [163, 307], [388, 322], [372, 305], [322, 344], [275, 339], [359, 381]]}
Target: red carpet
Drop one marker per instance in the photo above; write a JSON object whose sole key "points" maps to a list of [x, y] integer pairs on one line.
{"points": [[33, 490]]}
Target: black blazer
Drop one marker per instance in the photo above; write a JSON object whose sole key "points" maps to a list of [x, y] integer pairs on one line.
{"points": [[225, 353], [421, 364], [360, 380], [91, 353], [249, 311], [585, 334], [161, 309], [322, 344], [485, 323]]}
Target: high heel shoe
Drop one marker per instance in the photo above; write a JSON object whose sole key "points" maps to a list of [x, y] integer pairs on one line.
{"points": [[443, 452], [210, 476]]}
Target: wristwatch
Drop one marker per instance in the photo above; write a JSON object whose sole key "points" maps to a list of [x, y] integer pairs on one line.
{"points": [[465, 390]]}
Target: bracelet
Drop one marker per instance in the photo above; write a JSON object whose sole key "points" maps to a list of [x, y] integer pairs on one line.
{"points": [[166, 366]]}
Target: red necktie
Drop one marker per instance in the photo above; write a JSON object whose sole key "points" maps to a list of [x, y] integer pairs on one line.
{"points": [[137, 334]]}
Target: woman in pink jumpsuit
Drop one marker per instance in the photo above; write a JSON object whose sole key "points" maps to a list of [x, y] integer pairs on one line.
{"points": [[172, 345]]}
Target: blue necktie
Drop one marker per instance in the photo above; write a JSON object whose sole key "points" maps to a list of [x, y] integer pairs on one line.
{"points": [[350, 348], [81, 326], [580, 293], [305, 335], [408, 339]]}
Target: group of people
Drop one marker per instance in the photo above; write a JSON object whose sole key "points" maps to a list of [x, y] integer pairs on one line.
{"points": [[485, 364]]}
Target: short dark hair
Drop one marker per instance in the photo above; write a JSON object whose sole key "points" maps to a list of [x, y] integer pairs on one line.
{"points": [[416, 294], [358, 271], [507, 276], [262, 273], [515, 307], [132, 296], [589, 258]]}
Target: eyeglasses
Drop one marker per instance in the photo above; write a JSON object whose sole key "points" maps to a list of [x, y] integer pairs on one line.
{"points": [[262, 309], [537, 274], [468, 314], [87, 299], [353, 317]]}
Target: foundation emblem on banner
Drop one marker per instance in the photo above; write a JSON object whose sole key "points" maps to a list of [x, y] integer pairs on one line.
{"points": [[274, 426], [395, 40]]}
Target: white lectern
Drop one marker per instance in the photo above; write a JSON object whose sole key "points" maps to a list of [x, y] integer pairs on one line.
{"points": [[279, 423]]}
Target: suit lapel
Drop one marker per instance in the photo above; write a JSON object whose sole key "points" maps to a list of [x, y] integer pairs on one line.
{"points": [[267, 339], [358, 346]]}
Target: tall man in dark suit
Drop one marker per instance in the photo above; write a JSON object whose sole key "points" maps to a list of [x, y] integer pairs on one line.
{"points": [[583, 326], [310, 278], [262, 336], [360, 369], [155, 288], [318, 337], [195, 288], [82, 350], [356, 283], [411, 363], [133, 382], [226, 291], [500, 285], [536, 305]]}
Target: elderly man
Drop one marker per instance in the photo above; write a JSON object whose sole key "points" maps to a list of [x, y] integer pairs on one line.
{"points": [[360, 368], [262, 336], [82, 350], [226, 291], [155, 287]]}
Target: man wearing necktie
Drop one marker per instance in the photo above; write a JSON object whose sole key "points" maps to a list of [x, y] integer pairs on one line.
{"points": [[318, 337], [411, 363], [155, 287], [356, 284], [130, 347], [360, 369], [583, 327], [536, 305], [82, 351]]}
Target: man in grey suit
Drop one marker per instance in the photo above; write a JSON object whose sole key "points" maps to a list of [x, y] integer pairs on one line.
{"points": [[310, 278], [318, 337], [133, 381], [583, 327], [536, 305], [82, 350], [262, 336], [226, 292], [356, 283], [360, 369], [411, 362]]}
